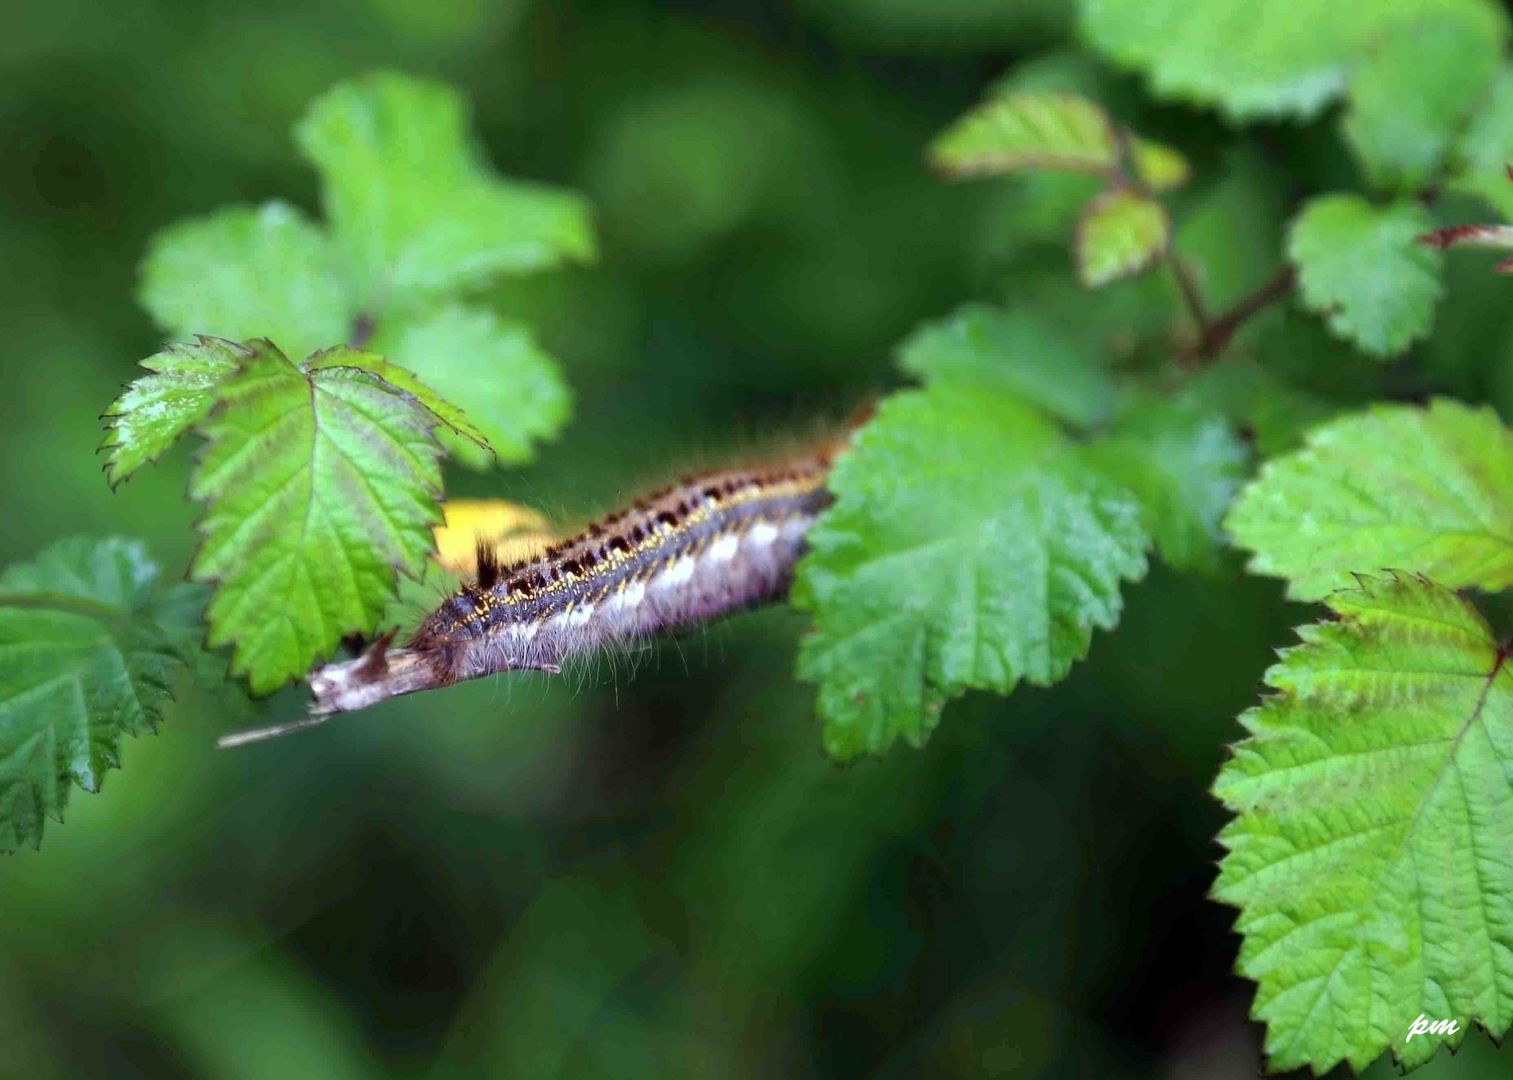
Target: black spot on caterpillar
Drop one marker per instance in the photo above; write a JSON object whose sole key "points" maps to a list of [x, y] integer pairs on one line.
{"points": [[715, 543]]}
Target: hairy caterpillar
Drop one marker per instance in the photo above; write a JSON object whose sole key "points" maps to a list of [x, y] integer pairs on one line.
{"points": [[714, 543]]}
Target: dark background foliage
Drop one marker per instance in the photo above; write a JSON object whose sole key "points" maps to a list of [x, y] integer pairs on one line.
{"points": [[616, 875]]}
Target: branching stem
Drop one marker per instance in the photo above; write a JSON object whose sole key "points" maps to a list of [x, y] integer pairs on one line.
{"points": [[1215, 333]]}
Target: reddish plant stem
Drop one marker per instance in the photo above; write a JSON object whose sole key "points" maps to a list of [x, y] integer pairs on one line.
{"points": [[1189, 286], [1214, 334], [1217, 334]]}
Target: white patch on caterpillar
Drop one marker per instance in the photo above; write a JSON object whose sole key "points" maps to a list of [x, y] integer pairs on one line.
{"points": [[580, 614], [761, 534], [676, 574], [526, 631], [796, 527], [629, 596], [723, 549]]}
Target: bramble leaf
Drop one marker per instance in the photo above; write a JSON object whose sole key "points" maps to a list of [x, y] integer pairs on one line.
{"points": [[1396, 487], [1481, 159], [1015, 349], [187, 383], [1049, 129], [1018, 130], [242, 273], [321, 482], [412, 202], [1363, 269], [89, 643], [1158, 166], [405, 380], [971, 545], [416, 213], [1416, 90], [1250, 58], [513, 388], [156, 409], [1369, 852], [1255, 399], [1184, 464], [1121, 232]]}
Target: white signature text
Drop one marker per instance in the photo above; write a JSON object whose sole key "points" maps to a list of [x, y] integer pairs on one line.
{"points": [[1424, 1026]]}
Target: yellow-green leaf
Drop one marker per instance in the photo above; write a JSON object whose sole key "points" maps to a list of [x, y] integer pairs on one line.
{"points": [[1121, 233]]}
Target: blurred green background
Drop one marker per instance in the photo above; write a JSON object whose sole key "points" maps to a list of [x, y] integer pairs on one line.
{"points": [[608, 875]]}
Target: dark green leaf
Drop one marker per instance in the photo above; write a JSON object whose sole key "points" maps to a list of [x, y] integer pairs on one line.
{"points": [[89, 642], [1017, 350]]}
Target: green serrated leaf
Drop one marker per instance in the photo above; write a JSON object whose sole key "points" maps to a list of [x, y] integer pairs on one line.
{"points": [[1121, 232], [156, 409], [412, 202], [1158, 166], [1417, 88], [88, 645], [1019, 130], [1363, 269], [1252, 58], [1017, 350], [514, 389], [242, 273], [406, 381], [971, 545], [1397, 487], [1368, 855], [320, 484], [1480, 163], [1184, 463], [1022, 130]]}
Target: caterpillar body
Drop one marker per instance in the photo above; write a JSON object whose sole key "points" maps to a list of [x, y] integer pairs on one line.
{"points": [[712, 544]]}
